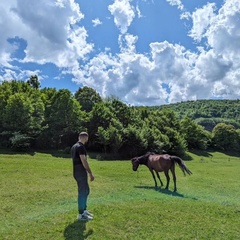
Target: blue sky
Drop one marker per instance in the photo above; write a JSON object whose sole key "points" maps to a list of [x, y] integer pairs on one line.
{"points": [[145, 52]]}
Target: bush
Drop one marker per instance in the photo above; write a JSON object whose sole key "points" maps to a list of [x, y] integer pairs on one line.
{"points": [[20, 142], [67, 150]]}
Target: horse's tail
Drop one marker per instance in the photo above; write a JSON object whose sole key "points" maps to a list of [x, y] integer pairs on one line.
{"points": [[181, 164]]}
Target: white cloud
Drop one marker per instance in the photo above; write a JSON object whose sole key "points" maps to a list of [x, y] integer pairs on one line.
{"points": [[139, 14], [185, 15], [212, 66], [177, 3], [202, 19], [127, 42], [96, 22], [8, 74], [49, 28], [12, 74], [224, 33], [220, 63], [123, 14], [136, 78], [7, 22], [170, 72]]}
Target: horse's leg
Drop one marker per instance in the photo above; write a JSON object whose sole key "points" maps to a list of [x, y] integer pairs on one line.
{"points": [[174, 177], [153, 177], [159, 178], [168, 178]]}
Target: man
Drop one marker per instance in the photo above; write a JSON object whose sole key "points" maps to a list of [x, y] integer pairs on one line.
{"points": [[80, 171]]}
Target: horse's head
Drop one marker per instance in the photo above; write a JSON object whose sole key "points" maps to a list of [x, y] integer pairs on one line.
{"points": [[135, 163]]}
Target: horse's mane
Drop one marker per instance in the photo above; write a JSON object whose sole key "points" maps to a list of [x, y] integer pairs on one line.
{"points": [[144, 158]]}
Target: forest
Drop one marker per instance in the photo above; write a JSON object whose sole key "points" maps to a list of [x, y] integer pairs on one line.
{"points": [[32, 117], [208, 113]]}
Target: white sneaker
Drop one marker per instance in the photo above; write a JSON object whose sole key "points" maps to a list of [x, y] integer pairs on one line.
{"points": [[86, 212], [84, 217]]}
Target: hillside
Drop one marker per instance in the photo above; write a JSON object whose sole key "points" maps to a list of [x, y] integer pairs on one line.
{"points": [[208, 112]]}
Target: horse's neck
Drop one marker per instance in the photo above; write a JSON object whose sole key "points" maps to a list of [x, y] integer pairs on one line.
{"points": [[143, 160]]}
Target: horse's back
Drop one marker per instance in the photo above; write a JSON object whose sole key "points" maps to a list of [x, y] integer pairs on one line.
{"points": [[160, 162], [160, 157]]}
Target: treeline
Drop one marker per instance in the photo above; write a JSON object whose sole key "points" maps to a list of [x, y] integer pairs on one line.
{"points": [[46, 118], [208, 113]]}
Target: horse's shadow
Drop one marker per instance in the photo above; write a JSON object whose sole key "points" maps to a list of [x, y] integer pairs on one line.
{"points": [[164, 191], [77, 231]]}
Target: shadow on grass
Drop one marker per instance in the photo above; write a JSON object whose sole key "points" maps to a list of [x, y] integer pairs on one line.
{"points": [[107, 156], [231, 153], [164, 191], [58, 153], [201, 153], [77, 231], [32, 152], [208, 153], [10, 151]]}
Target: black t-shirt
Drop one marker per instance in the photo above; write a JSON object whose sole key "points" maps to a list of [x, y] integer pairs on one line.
{"points": [[77, 150]]}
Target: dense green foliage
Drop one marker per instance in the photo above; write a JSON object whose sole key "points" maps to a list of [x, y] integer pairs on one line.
{"points": [[208, 113], [39, 200], [31, 117], [208, 108]]}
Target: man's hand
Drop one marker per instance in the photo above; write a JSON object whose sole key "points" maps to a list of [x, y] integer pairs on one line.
{"points": [[91, 177], [86, 166]]}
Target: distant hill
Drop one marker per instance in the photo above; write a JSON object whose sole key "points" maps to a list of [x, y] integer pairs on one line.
{"points": [[208, 112]]}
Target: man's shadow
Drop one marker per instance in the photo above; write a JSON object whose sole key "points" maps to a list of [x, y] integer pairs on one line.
{"points": [[77, 231]]}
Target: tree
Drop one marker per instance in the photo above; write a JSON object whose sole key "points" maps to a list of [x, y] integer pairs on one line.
{"points": [[18, 113], [225, 137], [121, 111], [17, 122], [238, 140], [37, 113], [65, 116], [20, 142], [47, 97], [100, 116], [3, 104], [115, 132], [22, 112], [157, 142], [194, 134], [178, 144], [87, 97], [33, 82], [103, 138], [134, 143]]}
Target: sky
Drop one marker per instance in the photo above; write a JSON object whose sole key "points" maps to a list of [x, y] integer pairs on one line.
{"points": [[144, 52]]}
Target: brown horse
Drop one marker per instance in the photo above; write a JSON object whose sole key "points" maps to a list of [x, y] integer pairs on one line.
{"points": [[160, 163]]}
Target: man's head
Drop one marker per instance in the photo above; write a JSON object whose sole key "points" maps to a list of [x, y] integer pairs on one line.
{"points": [[83, 137]]}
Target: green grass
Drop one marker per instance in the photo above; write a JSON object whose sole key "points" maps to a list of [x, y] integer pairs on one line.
{"points": [[38, 199]]}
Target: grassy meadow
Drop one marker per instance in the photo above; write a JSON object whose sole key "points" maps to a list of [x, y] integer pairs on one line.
{"points": [[38, 200]]}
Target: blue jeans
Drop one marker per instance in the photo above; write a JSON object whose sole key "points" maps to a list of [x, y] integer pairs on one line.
{"points": [[83, 192]]}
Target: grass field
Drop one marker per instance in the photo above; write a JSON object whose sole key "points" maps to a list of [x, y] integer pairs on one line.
{"points": [[38, 200]]}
